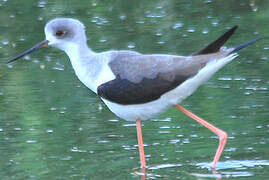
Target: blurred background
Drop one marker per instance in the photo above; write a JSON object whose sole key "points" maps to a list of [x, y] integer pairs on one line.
{"points": [[52, 127]]}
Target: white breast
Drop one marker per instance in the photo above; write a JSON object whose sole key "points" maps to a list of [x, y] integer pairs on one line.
{"points": [[105, 73], [92, 70]]}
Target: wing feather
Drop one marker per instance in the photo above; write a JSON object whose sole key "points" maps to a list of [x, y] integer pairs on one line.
{"points": [[144, 78]]}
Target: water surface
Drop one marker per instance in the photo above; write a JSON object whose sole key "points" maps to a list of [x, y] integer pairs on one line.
{"points": [[52, 127]]}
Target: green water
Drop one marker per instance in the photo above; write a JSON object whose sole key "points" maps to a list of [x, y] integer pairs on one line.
{"points": [[52, 127]]}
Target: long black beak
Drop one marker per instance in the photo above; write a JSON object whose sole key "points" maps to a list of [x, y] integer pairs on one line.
{"points": [[36, 47]]}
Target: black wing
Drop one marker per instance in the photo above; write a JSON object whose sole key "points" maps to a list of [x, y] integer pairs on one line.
{"points": [[144, 78], [123, 91]]}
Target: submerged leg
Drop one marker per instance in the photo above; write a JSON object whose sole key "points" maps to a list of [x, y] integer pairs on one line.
{"points": [[221, 134], [140, 143]]}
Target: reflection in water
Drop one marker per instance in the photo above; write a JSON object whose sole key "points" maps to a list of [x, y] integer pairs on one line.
{"points": [[217, 174], [221, 175], [214, 174], [143, 173], [234, 169], [233, 164]]}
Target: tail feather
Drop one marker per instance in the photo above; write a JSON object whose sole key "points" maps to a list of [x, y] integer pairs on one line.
{"points": [[217, 44]]}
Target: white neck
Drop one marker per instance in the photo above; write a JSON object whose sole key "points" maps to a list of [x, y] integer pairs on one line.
{"points": [[83, 61]]}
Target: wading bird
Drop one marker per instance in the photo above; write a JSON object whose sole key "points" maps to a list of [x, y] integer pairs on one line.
{"points": [[138, 86]]}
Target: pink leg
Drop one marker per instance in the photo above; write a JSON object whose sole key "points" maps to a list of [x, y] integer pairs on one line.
{"points": [[143, 173], [140, 143], [221, 134]]}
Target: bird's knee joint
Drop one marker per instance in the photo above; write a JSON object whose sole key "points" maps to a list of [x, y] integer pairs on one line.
{"points": [[223, 136]]}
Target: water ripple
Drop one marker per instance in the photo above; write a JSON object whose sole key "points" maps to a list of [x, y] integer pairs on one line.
{"points": [[235, 164], [224, 174], [161, 166]]}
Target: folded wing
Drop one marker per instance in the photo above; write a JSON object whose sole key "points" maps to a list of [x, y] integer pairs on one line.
{"points": [[144, 78]]}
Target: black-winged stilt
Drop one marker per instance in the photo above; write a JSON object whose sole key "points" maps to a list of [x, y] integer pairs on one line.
{"points": [[138, 86]]}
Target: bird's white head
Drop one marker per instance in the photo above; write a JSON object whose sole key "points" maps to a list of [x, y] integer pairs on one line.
{"points": [[65, 33]]}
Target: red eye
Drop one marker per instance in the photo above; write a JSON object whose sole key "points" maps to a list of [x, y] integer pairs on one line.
{"points": [[59, 33]]}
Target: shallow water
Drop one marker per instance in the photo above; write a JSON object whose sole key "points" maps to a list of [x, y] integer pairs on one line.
{"points": [[52, 127]]}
